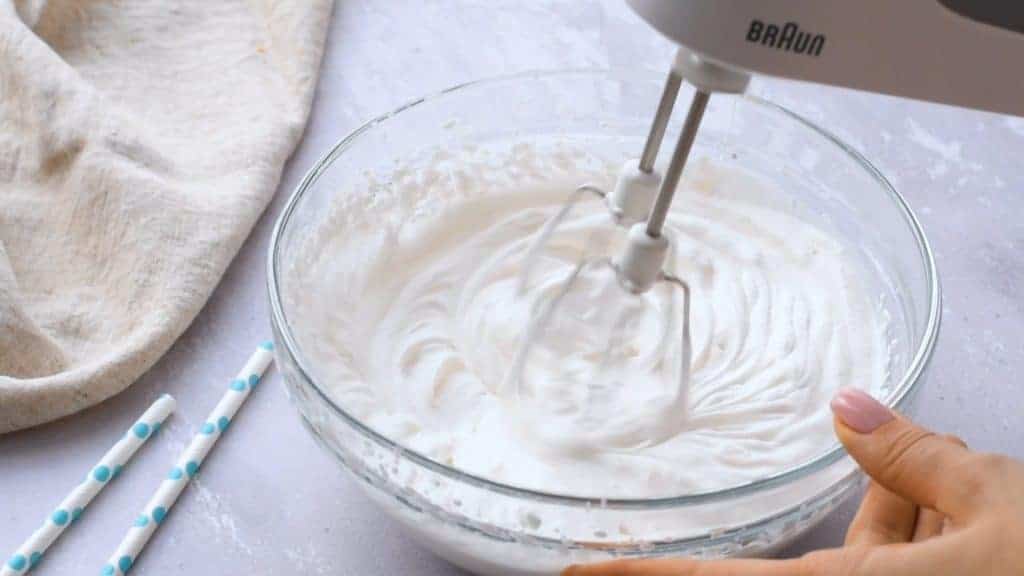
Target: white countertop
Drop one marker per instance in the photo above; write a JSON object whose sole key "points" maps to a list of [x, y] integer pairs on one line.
{"points": [[270, 501]]}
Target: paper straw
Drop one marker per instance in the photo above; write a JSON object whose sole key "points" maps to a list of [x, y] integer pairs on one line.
{"points": [[188, 463], [108, 468]]}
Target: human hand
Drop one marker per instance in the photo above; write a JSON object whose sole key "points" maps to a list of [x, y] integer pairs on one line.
{"points": [[934, 508]]}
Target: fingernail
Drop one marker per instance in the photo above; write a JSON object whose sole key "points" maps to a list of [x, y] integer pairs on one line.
{"points": [[858, 410]]}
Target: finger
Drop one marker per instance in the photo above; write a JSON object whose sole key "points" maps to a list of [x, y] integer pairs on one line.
{"points": [[929, 524], [954, 440], [907, 459], [883, 518], [951, 555], [646, 567], [690, 567]]}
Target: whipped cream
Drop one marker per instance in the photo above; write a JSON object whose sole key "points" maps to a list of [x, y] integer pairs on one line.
{"points": [[411, 308]]}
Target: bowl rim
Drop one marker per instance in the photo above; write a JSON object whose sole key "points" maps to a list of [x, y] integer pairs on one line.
{"points": [[900, 394]]}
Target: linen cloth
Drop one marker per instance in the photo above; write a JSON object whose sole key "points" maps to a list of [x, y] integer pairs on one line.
{"points": [[140, 140]]}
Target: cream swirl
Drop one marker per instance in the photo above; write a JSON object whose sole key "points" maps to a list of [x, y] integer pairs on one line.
{"points": [[780, 317]]}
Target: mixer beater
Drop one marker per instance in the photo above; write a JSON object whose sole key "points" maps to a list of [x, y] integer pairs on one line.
{"points": [[598, 307]]}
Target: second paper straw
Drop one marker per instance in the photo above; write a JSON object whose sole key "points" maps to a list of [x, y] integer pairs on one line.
{"points": [[189, 462]]}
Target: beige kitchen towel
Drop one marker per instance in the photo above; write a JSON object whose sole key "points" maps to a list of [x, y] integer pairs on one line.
{"points": [[139, 142]]}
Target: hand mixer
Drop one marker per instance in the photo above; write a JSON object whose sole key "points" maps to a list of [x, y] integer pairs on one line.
{"points": [[950, 51]]}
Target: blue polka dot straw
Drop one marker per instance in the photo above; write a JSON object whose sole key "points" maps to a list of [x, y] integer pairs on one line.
{"points": [[67, 512], [188, 464]]}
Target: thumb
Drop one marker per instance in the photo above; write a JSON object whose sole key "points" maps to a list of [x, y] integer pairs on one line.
{"points": [[905, 458]]}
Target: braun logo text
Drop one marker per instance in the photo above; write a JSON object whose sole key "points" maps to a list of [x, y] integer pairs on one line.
{"points": [[788, 37]]}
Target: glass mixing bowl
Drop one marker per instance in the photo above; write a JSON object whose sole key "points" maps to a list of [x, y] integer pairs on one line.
{"points": [[491, 528]]}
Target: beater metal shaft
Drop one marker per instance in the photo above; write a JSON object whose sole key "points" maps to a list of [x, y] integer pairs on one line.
{"points": [[675, 167], [661, 116]]}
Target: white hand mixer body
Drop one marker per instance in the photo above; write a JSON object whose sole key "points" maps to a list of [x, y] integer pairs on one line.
{"points": [[959, 52]]}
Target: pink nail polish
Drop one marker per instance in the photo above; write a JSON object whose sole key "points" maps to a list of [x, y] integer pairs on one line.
{"points": [[858, 410]]}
